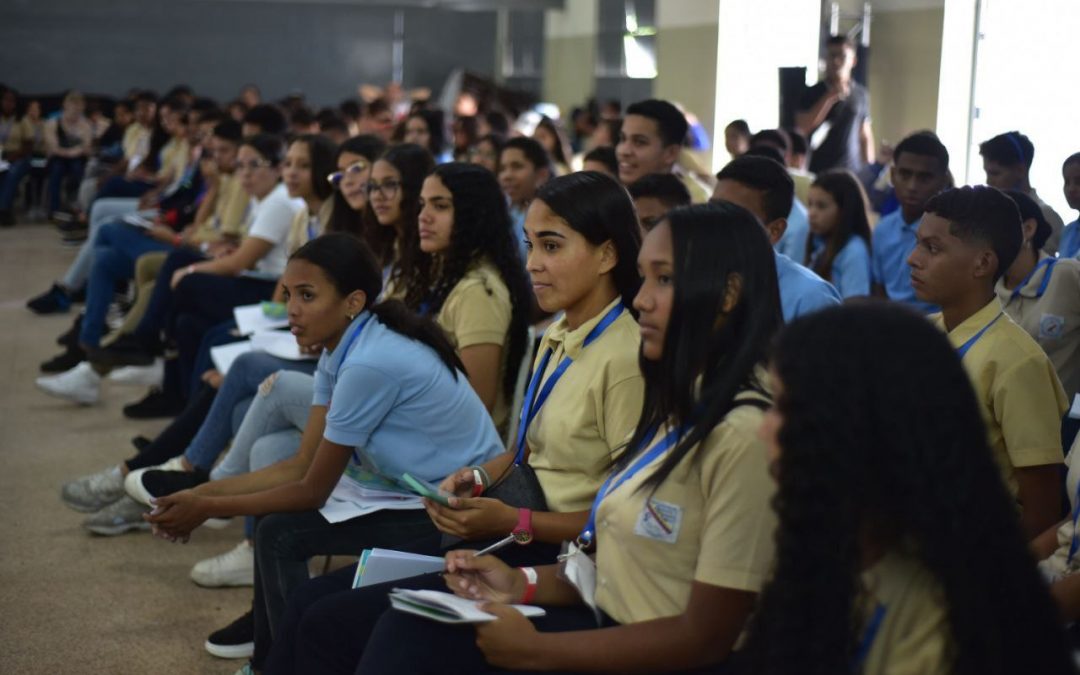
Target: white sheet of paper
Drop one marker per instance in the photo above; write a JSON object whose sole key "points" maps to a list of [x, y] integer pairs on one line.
{"points": [[466, 611], [224, 355], [348, 501], [250, 319], [280, 344]]}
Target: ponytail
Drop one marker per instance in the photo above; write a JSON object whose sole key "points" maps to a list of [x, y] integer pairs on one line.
{"points": [[397, 317]]}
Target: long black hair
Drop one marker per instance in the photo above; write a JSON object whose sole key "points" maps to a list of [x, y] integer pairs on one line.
{"points": [[882, 437], [482, 231], [414, 163], [361, 223], [351, 266], [598, 207], [710, 354], [853, 221], [321, 155]]}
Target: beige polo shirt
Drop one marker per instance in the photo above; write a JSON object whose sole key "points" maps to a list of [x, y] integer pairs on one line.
{"points": [[231, 209], [477, 312], [710, 521], [1019, 394], [590, 413], [174, 158], [914, 637], [298, 230], [1052, 319]]}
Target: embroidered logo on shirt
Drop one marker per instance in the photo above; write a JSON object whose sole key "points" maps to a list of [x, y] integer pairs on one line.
{"points": [[659, 521], [1051, 326]]}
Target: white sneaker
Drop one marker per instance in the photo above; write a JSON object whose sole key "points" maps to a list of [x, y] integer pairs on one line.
{"points": [[233, 568], [80, 384], [144, 376], [95, 491]]}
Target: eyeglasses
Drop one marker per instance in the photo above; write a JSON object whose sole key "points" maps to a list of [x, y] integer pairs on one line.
{"points": [[252, 165], [354, 169], [388, 188]]}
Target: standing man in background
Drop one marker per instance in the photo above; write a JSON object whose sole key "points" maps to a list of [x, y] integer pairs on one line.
{"points": [[834, 114]]}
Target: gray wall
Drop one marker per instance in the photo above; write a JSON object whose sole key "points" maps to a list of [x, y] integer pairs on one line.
{"points": [[323, 50]]}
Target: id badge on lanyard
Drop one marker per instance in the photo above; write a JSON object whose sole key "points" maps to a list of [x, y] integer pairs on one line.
{"points": [[578, 569]]}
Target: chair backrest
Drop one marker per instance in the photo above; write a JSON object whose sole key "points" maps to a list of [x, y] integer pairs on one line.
{"points": [[519, 388]]}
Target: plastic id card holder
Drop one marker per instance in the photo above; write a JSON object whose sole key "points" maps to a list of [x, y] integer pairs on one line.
{"points": [[578, 569]]}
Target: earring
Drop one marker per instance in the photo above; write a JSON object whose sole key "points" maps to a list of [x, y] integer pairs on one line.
{"points": [[351, 316]]}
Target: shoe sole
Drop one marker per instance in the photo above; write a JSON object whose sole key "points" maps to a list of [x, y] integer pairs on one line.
{"points": [[244, 651], [81, 400], [217, 583], [217, 523], [85, 508], [113, 530]]}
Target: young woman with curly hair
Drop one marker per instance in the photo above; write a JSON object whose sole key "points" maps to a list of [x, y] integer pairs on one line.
{"points": [[467, 274], [899, 548]]}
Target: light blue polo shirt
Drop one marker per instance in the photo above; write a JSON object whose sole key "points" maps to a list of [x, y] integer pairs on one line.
{"points": [[802, 291], [1069, 246], [392, 399], [894, 240], [850, 268], [793, 243]]}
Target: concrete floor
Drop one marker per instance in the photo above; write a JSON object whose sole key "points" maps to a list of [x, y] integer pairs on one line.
{"points": [[71, 601]]}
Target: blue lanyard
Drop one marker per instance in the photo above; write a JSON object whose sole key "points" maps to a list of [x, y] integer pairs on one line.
{"points": [[872, 629], [1048, 263], [665, 444], [963, 349], [535, 401], [312, 227]]}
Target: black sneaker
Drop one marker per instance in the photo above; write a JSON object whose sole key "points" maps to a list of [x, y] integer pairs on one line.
{"points": [[154, 405], [235, 641], [75, 237], [62, 363], [53, 301], [70, 337], [144, 485], [127, 350], [140, 442]]}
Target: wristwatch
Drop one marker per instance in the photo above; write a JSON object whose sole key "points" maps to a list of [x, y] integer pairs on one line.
{"points": [[523, 532]]}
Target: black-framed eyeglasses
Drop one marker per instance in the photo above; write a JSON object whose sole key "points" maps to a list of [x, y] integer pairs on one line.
{"points": [[388, 188]]}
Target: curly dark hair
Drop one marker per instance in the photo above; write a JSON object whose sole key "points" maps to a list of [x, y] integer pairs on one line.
{"points": [[882, 436], [482, 231]]}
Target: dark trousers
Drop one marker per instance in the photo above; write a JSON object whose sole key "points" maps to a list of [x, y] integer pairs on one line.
{"points": [[160, 304], [285, 541], [326, 624], [60, 168]]}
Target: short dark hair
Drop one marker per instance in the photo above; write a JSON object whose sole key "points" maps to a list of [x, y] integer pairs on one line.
{"points": [[498, 123], [302, 115], [774, 138], [379, 105], [767, 176], [1009, 149], [984, 213], [739, 126], [146, 96], [1071, 159], [605, 155], [840, 40], [664, 187], [670, 122], [350, 108], [1029, 210], [799, 145], [213, 115], [533, 151], [270, 147], [229, 130], [768, 151], [267, 117], [924, 143]]}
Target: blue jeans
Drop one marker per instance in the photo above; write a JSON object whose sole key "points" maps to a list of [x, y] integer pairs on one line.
{"points": [[116, 248], [102, 211], [9, 182], [60, 168], [118, 186], [240, 385]]}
